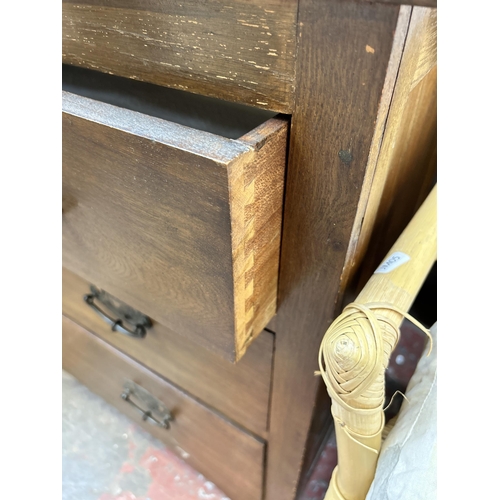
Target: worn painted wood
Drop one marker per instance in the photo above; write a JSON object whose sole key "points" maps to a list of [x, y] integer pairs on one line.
{"points": [[344, 52], [240, 51], [221, 451], [180, 224], [240, 391]]}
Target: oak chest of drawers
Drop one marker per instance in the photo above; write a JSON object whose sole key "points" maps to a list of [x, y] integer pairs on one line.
{"points": [[225, 164]]}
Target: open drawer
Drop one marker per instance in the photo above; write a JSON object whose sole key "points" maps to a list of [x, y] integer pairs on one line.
{"points": [[180, 223]]}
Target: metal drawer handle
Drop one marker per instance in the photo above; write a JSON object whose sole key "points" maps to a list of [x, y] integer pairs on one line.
{"points": [[117, 325], [147, 415]]}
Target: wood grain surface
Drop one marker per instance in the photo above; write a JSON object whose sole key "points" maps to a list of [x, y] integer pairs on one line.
{"points": [[240, 391], [402, 167], [157, 214], [221, 451], [256, 202], [395, 283], [348, 58], [240, 51], [344, 52], [324, 196]]}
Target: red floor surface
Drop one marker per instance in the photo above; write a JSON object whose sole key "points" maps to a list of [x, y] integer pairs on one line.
{"points": [[170, 478], [107, 457]]}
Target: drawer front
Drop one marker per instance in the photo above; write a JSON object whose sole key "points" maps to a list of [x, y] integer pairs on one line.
{"points": [[240, 391], [224, 453], [242, 51], [181, 224]]}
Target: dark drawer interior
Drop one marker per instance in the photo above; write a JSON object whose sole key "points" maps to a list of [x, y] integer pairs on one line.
{"points": [[224, 118]]}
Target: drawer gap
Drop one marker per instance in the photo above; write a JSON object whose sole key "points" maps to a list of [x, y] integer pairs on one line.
{"points": [[224, 118]]}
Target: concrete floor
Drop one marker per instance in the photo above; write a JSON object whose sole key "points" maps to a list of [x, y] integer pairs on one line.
{"points": [[106, 456]]}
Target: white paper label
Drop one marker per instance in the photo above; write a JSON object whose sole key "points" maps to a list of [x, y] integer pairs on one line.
{"points": [[392, 262]]}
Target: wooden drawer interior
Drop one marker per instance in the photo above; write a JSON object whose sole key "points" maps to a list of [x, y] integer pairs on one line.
{"points": [[180, 223], [224, 453], [227, 119], [241, 391]]}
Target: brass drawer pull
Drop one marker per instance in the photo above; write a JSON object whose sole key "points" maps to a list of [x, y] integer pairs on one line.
{"points": [[124, 313], [150, 402]]}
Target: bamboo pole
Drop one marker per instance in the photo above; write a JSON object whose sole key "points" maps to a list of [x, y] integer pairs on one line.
{"points": [[356, 349]]}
